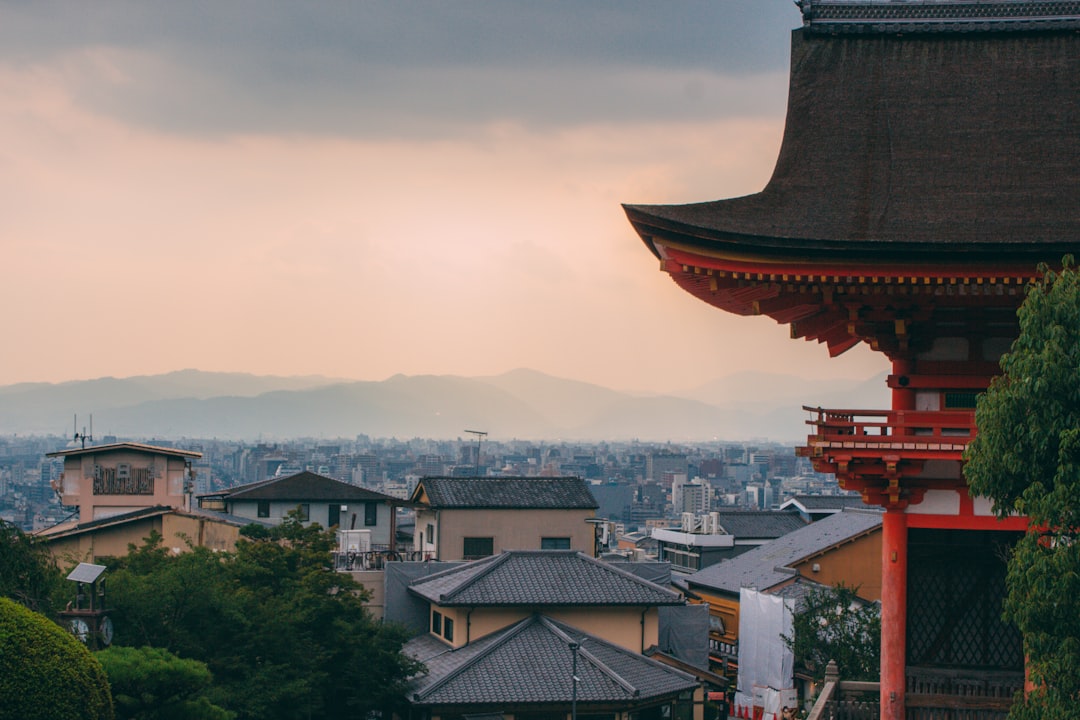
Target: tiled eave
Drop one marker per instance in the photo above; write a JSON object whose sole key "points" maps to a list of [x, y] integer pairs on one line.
{"points": [[939, 16]]}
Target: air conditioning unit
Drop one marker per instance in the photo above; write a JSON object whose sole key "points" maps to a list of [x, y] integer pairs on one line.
{"points": [[689, 522]]}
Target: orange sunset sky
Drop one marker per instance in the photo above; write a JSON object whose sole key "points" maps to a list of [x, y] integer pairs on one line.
{"points": [[363, 189]]}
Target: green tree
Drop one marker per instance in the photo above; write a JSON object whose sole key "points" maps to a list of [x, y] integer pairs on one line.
{"points": [[45, 672], [153, 684], [1026, 458], [836, 624], [28, 574], [283, 635]]}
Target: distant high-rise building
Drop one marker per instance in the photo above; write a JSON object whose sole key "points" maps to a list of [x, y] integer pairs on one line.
{"points": [[691, 496], [659, 463]]}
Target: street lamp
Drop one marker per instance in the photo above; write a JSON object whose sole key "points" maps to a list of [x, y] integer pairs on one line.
{"points": [[574, 679]]}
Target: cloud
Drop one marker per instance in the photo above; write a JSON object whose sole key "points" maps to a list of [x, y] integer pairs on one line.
{"points": [[364, 189], [404, 68]]}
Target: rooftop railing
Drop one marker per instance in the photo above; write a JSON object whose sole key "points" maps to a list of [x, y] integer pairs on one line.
{"points": [[376, 558]]}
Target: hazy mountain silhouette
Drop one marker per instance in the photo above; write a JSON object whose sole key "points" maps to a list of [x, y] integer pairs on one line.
{"points": [[517, 404]]}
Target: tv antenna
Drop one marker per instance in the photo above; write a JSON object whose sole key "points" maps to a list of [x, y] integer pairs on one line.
{"points": [[83, 437], [480, 434]]}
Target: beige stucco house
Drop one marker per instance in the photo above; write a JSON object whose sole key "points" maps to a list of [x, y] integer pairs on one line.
{"points": [[107, 480], [471, 518], [76, 542]]}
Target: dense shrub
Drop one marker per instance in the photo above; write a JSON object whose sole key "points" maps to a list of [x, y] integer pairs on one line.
{"points": [[45, 673]]}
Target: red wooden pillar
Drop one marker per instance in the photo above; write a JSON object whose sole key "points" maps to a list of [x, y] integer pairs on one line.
{"points": [[894, 534], [903, 395]]}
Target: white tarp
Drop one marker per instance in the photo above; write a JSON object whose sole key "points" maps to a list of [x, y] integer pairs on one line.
{"points": [[765, 662]]}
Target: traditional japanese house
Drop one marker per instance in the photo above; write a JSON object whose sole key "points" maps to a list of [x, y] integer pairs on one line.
{"points": [[929, 163]]}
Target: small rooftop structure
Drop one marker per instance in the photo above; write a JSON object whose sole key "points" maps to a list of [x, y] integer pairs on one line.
{"points": [[717, 536]]}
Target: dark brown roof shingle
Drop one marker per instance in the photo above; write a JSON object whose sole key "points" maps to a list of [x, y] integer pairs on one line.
{"points": [[304, 486], [963, 146], [551, 493]]}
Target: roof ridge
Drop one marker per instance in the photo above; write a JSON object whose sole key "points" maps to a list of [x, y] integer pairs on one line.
{"points": [[498, 561], [456, 568], [512, 632], [597, 662], [626, 573]]}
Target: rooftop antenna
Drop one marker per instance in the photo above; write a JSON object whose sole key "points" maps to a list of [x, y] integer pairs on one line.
{"points": [[479, 436], [83, 437]]}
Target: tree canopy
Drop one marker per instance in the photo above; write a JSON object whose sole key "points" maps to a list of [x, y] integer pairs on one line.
{"points": [[45, 672], [28, 574], [153, 684], [834, 623], [282, 634], [1026, 458]]}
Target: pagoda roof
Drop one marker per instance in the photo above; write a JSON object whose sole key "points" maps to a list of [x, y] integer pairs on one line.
{"points": [[928, 154], [937, 16]]}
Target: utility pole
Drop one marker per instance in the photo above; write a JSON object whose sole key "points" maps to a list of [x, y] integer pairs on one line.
{"points": [[480, 434]]}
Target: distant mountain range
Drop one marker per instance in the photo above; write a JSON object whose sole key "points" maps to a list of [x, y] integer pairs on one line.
{"points": [[521, 404]]}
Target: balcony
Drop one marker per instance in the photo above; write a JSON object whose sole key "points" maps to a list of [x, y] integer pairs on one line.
{"points": [[872, 451], [375, 558]]}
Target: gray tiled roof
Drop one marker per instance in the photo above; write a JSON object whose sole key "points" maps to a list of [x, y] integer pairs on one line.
{"points": [[509, 492], [758, 568], [538, 578], [759, 524], [530, 662], [303, 486], [150, 512]]}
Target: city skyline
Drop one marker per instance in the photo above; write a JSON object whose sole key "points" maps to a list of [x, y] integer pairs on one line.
{"points": [[362, 191]]}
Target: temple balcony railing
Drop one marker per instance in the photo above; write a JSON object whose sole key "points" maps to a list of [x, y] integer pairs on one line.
{"points": [[881, 453], [917, 434]]}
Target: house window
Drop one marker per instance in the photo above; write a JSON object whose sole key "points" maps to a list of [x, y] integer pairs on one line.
{"points": [[429, 531], [305, 511], [478, 547], [371, 514], [264, 508], [436, 622], [555, 543], [448, 629]]}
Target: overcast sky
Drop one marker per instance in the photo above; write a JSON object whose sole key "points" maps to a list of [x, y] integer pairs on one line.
{"points": [[358, 189]]}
